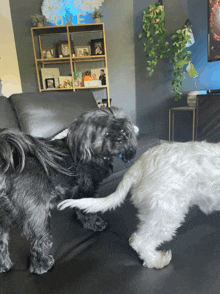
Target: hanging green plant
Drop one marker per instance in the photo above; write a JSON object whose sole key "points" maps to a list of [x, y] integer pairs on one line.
{"points": [[153, 32], [157, 47]]}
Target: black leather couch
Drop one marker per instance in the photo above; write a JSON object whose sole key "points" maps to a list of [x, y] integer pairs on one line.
{"points": [[103, 262]]}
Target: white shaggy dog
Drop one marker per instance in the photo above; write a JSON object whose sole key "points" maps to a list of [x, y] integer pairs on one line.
{"points": [[166, 181]]}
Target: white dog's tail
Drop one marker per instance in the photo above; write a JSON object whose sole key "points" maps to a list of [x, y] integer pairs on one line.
{"points": [[93, 205]]}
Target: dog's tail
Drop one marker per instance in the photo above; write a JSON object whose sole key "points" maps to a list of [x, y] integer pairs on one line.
{"points": [[14, 145], [93, 205]]}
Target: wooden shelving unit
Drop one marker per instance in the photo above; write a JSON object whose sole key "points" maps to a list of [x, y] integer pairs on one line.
{"points": [[69, 31]]}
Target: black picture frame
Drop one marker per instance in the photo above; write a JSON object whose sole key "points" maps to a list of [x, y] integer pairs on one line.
{"points": [[61, 49], [97, 47], [50, 83], [213, 31]]}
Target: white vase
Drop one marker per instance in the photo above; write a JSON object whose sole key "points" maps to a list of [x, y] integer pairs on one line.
{"points": [[191, 97]]}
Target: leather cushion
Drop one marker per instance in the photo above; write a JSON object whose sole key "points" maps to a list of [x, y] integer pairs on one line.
{"points": [[46, 114], [7, 116]]}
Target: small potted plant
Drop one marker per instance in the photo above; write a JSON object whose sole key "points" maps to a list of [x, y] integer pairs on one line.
{"points": [[38, 20], [96, 15]]}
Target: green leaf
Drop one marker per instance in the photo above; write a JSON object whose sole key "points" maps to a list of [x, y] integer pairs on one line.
{"points": [[181, 63], [192, 71]]}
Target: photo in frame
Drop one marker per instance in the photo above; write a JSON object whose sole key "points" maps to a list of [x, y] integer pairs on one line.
{"points": [[63, 49], [48, 53], [82, 51], [47, 73], [50, 83], [99, 74], [97, 47]]}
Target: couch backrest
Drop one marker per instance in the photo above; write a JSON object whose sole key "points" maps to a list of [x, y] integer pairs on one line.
{"points": [[47, 113], [7, 116]]}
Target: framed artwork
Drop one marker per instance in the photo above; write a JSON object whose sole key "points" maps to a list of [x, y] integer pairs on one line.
{"points": [[213, 31], [50, 83], [48, 53], [97, 47], [82, 51]]}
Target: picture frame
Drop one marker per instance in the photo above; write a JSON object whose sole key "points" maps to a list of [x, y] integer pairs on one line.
{"points": [[82, 51], [97, 47], [48, 73], [48, 53], [63, 49], [213, 38], [50, 83], [99, 74]]}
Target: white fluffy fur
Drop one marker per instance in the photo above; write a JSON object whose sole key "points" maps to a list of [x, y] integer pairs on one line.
{"points": [[166, 181]]}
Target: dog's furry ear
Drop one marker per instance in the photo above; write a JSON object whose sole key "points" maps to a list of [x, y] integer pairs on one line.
{"points": [[82, 133], [120, 115]]}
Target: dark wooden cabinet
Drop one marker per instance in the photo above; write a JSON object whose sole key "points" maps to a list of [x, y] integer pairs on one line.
{"points": [[208, 118]]}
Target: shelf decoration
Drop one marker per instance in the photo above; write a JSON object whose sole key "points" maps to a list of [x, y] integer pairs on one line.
{"points": [[67, 10], [51, 8], [50, 73], [89, 5]]}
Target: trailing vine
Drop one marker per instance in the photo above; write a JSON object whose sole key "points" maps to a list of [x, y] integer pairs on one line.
{"points": [[157, 47]]}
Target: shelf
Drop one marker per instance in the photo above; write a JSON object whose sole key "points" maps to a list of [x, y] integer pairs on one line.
{"points": [[72, 89], [37, 34], [80, 28], [76, 59], [87, 88]]}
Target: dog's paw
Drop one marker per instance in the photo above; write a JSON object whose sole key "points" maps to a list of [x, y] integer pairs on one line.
{"points": [[98, 225], [158, 260], [6, 266], [41, 266], [91, 221]]}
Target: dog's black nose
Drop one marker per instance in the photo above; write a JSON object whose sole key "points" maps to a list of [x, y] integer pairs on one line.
{"points": [[128, 154]]}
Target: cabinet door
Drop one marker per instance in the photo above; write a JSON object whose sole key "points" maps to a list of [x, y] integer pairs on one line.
{"points": [[208, 118]]}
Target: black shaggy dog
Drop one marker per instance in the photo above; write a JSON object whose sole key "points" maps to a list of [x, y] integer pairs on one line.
{"points": [[37, 174]]}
